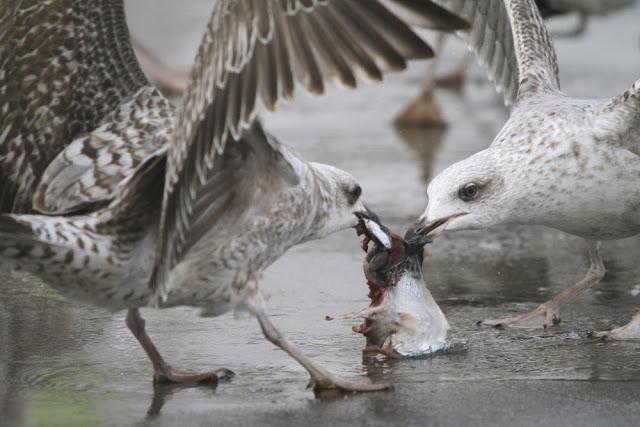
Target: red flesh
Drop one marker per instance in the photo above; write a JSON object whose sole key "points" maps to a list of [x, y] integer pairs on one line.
{"points": [[378, 291]]}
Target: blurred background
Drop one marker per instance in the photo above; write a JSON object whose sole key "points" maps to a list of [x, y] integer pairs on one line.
{"points": [[66, 364]]}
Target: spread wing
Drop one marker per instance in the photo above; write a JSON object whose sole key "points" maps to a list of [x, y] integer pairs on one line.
{"points": [[257, 49], [511, 42], [87, 171], [537, 63], [64, 65]]}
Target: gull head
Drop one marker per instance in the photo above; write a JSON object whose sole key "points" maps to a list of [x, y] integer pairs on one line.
{"points": [[339, 203], [470, 194]]}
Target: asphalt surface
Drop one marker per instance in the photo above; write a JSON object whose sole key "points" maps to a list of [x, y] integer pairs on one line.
{"points": [[62, 363]]}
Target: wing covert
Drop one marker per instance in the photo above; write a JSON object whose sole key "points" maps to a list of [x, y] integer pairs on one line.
{"points": [[64, 65], [519, 59]]}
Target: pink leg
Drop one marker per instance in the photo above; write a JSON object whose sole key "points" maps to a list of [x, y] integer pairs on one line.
{"points": [[630, 331], [550, 310], [321, 379], [162, 371]]}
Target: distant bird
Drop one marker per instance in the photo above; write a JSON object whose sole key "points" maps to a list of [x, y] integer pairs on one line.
{"points": [[562, 162], [424, 111], [150, 205], [583, 8]]}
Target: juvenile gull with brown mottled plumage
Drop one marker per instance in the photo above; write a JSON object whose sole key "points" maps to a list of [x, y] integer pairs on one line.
{"points": [[151, 205], [567, 163]]}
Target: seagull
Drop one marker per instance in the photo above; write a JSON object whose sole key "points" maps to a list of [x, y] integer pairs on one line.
{"points": [[566, 163], [118, 199]]}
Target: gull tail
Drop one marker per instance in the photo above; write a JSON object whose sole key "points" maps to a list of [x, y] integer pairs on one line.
{"points": [[98, 257], [56, 249], [74, 256], [67, 253]]}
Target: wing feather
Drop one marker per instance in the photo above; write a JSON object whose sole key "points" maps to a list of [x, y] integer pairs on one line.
{"points": [[511, 42], [536, 57], [64, 65], [311, 74], [87, 171], [260, 49]]}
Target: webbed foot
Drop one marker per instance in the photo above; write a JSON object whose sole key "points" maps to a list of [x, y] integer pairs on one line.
{"points": [[175, 376], [549, 315], [329, 383], [630, 331]]}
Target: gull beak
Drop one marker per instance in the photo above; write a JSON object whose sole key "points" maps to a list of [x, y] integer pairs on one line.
{"points": [[370, 228], [366, 213], [435, 228]]}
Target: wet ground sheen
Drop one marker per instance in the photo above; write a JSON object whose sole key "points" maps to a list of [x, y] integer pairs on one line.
{"points": [[66, 364]]}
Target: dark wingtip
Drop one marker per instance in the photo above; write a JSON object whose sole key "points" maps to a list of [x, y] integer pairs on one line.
{"points": [[368, 214], [448, 21], [12, 226], [425, 52], [430, 15]]}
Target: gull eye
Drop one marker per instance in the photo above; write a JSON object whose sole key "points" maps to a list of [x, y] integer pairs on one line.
{"points": [[354, 194], [468, 191]]}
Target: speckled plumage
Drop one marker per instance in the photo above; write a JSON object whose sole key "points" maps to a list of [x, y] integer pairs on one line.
{"points": [[87, 170], [496, 43], [491, 40], [77, 117], [64, 65], [567, 163], [149, 214], [309, 43], [200, 217]]}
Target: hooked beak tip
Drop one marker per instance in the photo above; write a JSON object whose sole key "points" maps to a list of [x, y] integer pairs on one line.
{"points": [[435, 228], [367, 213], [420, 224]]}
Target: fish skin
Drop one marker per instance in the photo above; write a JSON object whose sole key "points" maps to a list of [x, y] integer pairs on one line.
{"points": [[403, 319]]}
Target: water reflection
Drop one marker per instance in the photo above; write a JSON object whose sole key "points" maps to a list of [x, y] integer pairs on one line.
{"points": [[425, 144], [27, 317], [165, 391], [494, 282]]}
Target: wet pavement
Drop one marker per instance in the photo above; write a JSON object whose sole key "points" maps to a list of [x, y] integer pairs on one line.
{"points": [[62, 363]]}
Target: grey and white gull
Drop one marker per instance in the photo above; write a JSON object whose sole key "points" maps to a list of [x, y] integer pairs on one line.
{"points": [[120, 200], [566, 163]]}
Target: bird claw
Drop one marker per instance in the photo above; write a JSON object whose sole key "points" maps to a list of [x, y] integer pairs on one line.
{"points": [[601, 335], [324, 386], [627, 332]]}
